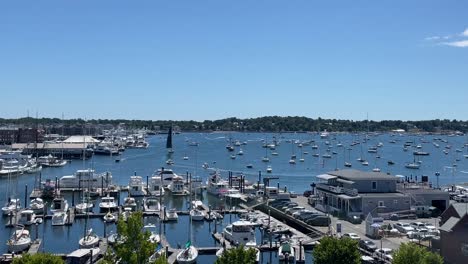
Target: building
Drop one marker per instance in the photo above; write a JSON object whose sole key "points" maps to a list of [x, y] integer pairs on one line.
{"points": [[357, 193], [454, 234], [20, 135], [69, 151]]}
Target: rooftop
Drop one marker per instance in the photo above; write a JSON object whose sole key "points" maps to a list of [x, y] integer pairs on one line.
{"points": [[353, 175], [450, 224]]}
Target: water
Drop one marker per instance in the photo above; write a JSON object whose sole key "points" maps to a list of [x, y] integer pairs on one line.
{"points": [[212, 150]]}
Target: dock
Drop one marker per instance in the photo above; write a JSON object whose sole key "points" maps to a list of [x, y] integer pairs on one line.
{"points": [[35, 246]]}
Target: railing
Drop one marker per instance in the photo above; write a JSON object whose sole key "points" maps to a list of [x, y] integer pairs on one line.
{"points": [[337, 189]]}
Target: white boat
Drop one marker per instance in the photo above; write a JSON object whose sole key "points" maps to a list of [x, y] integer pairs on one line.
{"points": [[19, 241], [365, 163], [151, 205], [265, 159], [177, 186], [185, 158], [412, 165], [197, 214], [59, 218], [51, 161], [324, 134], [269, 169], [154, 236], [171, 215], [240, 233], [27, 217], [11, 206], [84, 207], [286, 253], [59, 204], [90, 240], [166, 175], [86, 178], [292, 161], [83, 256], [109, 217], [376, 170], [136, 186], [130, 203], [37, 205], [107, 204], [188, 255], [347, 164], [216, 185], [126, 213], [169, 162], [155, 186], [240, 153]]}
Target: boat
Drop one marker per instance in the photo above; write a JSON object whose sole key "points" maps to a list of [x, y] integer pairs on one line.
{"points": [[185, 158], [169, 141], [292, 161], [269, 169], [188, 255], [107, 203], [421, 153], [104, 149], [171, 215], [11, 206], [365, 163], [109, 217], [90, 240], [376, 170], [51, 161], [240, 153], [59, 204], [155, 186], [412, 165], [326, 156], [166, 175], [129, 202], [216, 185], [86, 178], [249, 166], [347, 164], [59, 218], [265, 159], [205, 166], [177, 186], [286, 253], [84, 256], [240, 233], [390, 162], [136, 186], [27, 217], [274, 154], [169, 162], [84, 207], [19, 241], [233, 156], [37, 205], [126, 213], [154, 236], [151, 205], [197, 214]]}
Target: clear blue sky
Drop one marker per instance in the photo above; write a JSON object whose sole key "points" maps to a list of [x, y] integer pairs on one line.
{"points": [[214, 59]]}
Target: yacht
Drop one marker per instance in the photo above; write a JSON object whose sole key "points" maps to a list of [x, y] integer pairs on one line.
{"points": [[59, 204], [103, 149], [167, 175], [84, 207], [86, 178], [177, 186], [37, 205], [109, 217], [171, 215], [286, 253], [59, 218], [107, 203], [20, 240], [269, 169], [197, 214], [136, 186], [27, 217], [216, 185], [11, 206], [240, 233], [155, 186], [51, 161], [90, 240], [129, 202], [154, 237], [151, 205]]}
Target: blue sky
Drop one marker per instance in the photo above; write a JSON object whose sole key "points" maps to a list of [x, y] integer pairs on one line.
{"points": [[213, 59]]}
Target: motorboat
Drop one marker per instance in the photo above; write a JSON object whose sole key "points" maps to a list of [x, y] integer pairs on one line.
{"points": [[59, 218], [59, 204], [240, 153], [347, 164], [233, 156], [216, 185], [292, 161], [103, 149], [171, 215], [126, 213], [27, 217], [286, 253], [109, 217], [412, 165], [249, 166], [84, 255], [155, 186], [151, 205], [136, 186], [154, 236], [188, 255], [84, 207], [269, 169], [365, 163], [86, 178], [20, 240], [107, 203], [37, 205], [326, 156], [90, 240], [240, 233], [376, 169], [51, 161], [166, 175], [197, 214], [11, 206], [169, 162], [265, 159], [177, 186], [130, 202]]}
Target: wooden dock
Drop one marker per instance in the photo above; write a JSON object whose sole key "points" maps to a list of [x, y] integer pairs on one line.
{"points": [[224, 242], [35, 246]]}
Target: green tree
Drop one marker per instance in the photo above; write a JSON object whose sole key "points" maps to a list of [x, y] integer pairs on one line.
{"points": [[410, 253], [136, 247], [38, 258], [238, 255], [337, 251]]}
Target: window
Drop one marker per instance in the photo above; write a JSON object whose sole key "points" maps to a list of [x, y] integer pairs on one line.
{"points": [[395, 201], [374, 185], [381, 204]]}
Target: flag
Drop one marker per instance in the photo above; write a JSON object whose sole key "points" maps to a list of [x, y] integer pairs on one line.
{"points": [[188, 244]]}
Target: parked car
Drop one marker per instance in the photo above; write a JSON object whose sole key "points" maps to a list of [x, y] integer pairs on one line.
{"points": [[461, 198], [367, 245], [403, 227], [288, 205], [418, 225], [383, 253], [293, 194], [294, 209], [307, 193], [302, 212], [320, 220], [429, 226], [307, 217], [353, 236]]}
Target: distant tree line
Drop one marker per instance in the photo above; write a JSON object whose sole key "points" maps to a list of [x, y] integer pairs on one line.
{"points": [[259, 124]]}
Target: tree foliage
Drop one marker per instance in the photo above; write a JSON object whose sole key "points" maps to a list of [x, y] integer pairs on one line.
{"points": [[39, 258], [238, 255], [410, 253], [135, 247], [337, 251]]}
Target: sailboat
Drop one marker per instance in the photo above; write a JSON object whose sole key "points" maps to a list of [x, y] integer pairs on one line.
{"points": [[90, 239], [169, 141], [190, 253]]}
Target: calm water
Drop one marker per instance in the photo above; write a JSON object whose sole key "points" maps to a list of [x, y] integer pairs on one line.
{"points": [[212, 151]]}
